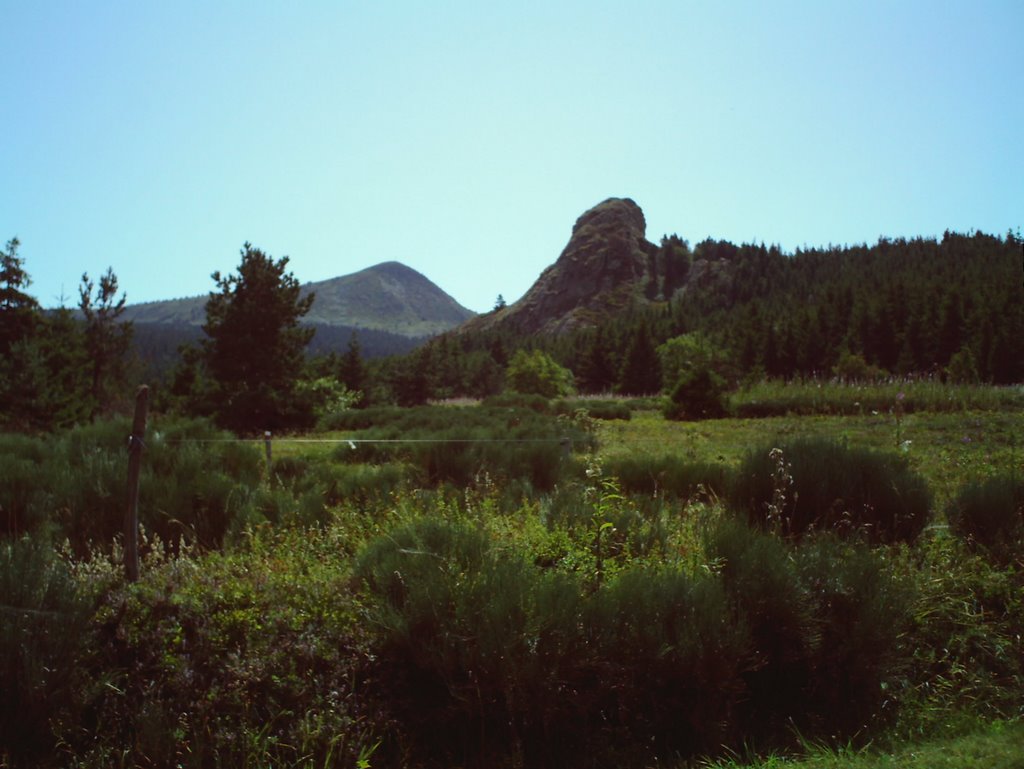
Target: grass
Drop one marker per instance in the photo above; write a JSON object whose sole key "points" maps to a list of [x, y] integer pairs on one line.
{"points": [[948, 449], [775, 398], [997, 746]]}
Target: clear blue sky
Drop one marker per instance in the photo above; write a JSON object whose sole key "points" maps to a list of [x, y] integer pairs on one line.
{"points": [[464, 138]]}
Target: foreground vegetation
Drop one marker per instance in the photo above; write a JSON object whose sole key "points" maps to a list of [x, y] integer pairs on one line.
{"points": [[997, 746], [543, 588]]}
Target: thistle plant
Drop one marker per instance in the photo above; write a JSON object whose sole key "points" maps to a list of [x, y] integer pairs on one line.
{"points": [[605, 495], [898, 414], [782, 483]]}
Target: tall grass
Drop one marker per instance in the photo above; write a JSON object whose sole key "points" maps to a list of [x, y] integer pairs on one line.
{"points": [[456, 445], [802, 398], [74, 484]]}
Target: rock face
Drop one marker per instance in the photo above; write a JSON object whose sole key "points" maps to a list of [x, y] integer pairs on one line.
{"points": [[601, 271]]}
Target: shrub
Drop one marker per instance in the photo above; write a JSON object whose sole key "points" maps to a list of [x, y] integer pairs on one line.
{"points": [[669, 656], [990, 514], [595, 409], [819, 484], [962, 368], [518, 400], [486, 656], [256, 658], [963, 648], [861, 614], [535, 372], [770, 601], [852, 367], [41, 617], [699, 394], [25, 473], [668, 474], [825, 619]]}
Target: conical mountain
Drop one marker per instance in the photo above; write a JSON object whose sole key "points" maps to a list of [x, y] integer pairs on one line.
{"points": [[386, 297]]}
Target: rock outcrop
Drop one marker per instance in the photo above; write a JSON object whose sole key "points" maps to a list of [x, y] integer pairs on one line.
{"points": [[601, 271]]}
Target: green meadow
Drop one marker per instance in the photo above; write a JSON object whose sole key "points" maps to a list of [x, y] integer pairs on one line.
{"points": [[826, 580]]}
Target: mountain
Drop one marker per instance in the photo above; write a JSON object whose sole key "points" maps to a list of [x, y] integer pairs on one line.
{"points": [[607, 266], [388, 297]]}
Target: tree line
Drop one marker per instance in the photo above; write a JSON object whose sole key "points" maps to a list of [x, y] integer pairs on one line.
{"points": [[948, 308]]}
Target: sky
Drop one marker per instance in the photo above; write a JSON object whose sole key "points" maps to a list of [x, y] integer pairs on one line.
{"points": [[463, 139]]}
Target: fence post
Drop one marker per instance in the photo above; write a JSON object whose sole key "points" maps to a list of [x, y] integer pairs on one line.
{"points": [[131, 518], [266, 443]]}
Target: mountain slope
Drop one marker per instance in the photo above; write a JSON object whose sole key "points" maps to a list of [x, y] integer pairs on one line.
{"points": [[386, 297]]}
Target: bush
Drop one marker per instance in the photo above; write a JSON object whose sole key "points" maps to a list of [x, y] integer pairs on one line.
{"points": [[770, 601], [669, 657], [852, 367], [595, 409], [990, 514], [963, 648], [535, 372], [861, 616], [518, 400], [699, 394], [42, 616], [666, 474], [25, 474], [825, 620], [257, 658], [819, 484], [486, 656], [489, 659]]}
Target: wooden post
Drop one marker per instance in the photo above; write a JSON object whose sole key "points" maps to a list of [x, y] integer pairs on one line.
{"points": [[131, 518], [266, 443]]}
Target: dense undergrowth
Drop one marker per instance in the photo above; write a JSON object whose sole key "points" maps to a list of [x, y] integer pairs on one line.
{"points": [[355, 607]]}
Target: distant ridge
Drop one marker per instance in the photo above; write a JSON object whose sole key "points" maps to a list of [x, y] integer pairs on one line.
{"points": [[388, 297]]}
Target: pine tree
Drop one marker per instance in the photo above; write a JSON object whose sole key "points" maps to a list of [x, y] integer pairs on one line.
{"points": [[352, 370], [641, 370], [255, 347], [107, 341], [597, 368], [19, 312]]}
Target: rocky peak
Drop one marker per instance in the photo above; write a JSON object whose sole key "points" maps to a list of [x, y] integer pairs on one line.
{"points": [[600, 271]]}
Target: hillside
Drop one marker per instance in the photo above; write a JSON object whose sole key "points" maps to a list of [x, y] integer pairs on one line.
{"points": [[388, 297]]}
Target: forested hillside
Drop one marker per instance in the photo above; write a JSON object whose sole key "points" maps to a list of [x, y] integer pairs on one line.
{"points": [[898, 307]]}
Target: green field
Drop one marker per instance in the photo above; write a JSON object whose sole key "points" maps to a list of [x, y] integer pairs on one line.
{"points": [[518, 584]]}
